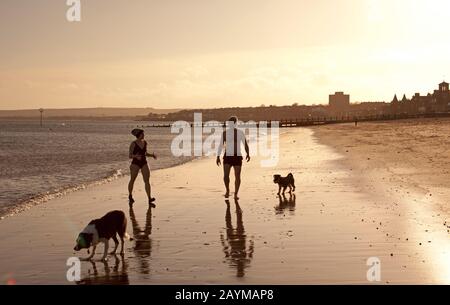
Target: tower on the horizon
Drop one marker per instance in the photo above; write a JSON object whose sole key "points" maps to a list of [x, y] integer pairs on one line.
{"points": [[339, 101], [41, 111], [443, 87]]}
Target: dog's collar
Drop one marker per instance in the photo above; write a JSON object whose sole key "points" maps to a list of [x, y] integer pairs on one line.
{"points": [[91, 229]]}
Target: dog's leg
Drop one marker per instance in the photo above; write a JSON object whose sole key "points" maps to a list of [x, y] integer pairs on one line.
{"points": [[284, 189], [94, 268], [116, 244], [105, 253], [93, 253], [279, 189], [116, 264], [293, 186], [90, 256], [121, 244]]}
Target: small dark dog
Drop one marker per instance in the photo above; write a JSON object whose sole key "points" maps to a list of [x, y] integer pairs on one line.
{"points": [[284, 182]]}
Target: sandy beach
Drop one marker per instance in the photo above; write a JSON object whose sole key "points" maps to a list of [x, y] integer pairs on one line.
{"points": [[348, 207]]}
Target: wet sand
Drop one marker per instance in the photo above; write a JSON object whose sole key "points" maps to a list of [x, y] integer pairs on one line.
{"points": [[405, 165], [323, 234]]}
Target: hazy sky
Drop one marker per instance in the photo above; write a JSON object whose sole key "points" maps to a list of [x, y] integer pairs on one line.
{"points": [[213, 53]]}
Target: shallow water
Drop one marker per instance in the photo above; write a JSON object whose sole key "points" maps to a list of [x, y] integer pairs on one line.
{"points": [[37, 163]]}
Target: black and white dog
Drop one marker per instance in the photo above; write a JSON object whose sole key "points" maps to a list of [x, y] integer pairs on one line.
{"points": [[102, 230]]}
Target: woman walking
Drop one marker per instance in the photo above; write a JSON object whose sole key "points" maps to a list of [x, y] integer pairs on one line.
{"points": [[138, 152]]}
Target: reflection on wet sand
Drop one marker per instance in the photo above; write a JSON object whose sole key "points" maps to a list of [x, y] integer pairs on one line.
{"points": [[114, 276], [286, 203], [143, 242], [235, 242]]}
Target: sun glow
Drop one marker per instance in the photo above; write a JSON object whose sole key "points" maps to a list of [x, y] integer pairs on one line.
{"points": [[265, 52]]}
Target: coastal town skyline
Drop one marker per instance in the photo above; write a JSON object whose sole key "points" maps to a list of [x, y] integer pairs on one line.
{"points": [[331, 100]]}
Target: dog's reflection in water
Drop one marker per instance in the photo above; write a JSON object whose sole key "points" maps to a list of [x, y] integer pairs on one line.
{"points": [[285, 204], [115, 275], [143, 242], [235, 242]]}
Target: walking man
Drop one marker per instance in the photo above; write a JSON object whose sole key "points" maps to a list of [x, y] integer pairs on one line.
{"points": [[232, 139]]}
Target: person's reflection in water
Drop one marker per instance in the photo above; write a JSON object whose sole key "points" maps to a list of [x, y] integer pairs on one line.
{"points": [[285, 204], [117, 276], [143, 242], [235, 242]]}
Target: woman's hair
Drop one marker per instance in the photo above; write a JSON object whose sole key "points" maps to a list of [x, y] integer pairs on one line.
{"points": [[233, 119], [137, 132]]}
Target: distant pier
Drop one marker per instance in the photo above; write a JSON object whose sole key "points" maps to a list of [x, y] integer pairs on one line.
{"points": [[302, 122]]}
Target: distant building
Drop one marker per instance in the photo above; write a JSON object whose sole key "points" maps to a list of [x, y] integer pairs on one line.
{"points": [[438, 101], [339, 102], [368, 109]]}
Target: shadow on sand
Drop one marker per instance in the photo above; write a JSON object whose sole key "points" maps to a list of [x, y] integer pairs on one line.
{"points": [[142, 240], [285, 204], [234, 243], [116, 275]]}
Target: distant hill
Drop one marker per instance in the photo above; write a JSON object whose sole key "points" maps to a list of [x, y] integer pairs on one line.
{"points": [[85, 113], [274, 113]]}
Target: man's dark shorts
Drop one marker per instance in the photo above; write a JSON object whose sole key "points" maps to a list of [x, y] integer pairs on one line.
{"points": [[232, 160]]}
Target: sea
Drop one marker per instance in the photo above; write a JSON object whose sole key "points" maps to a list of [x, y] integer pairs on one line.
{"points": [[40, 163]]}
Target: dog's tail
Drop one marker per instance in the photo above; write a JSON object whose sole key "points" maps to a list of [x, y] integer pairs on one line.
{"points": [[128, 237], [290, 175]]}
